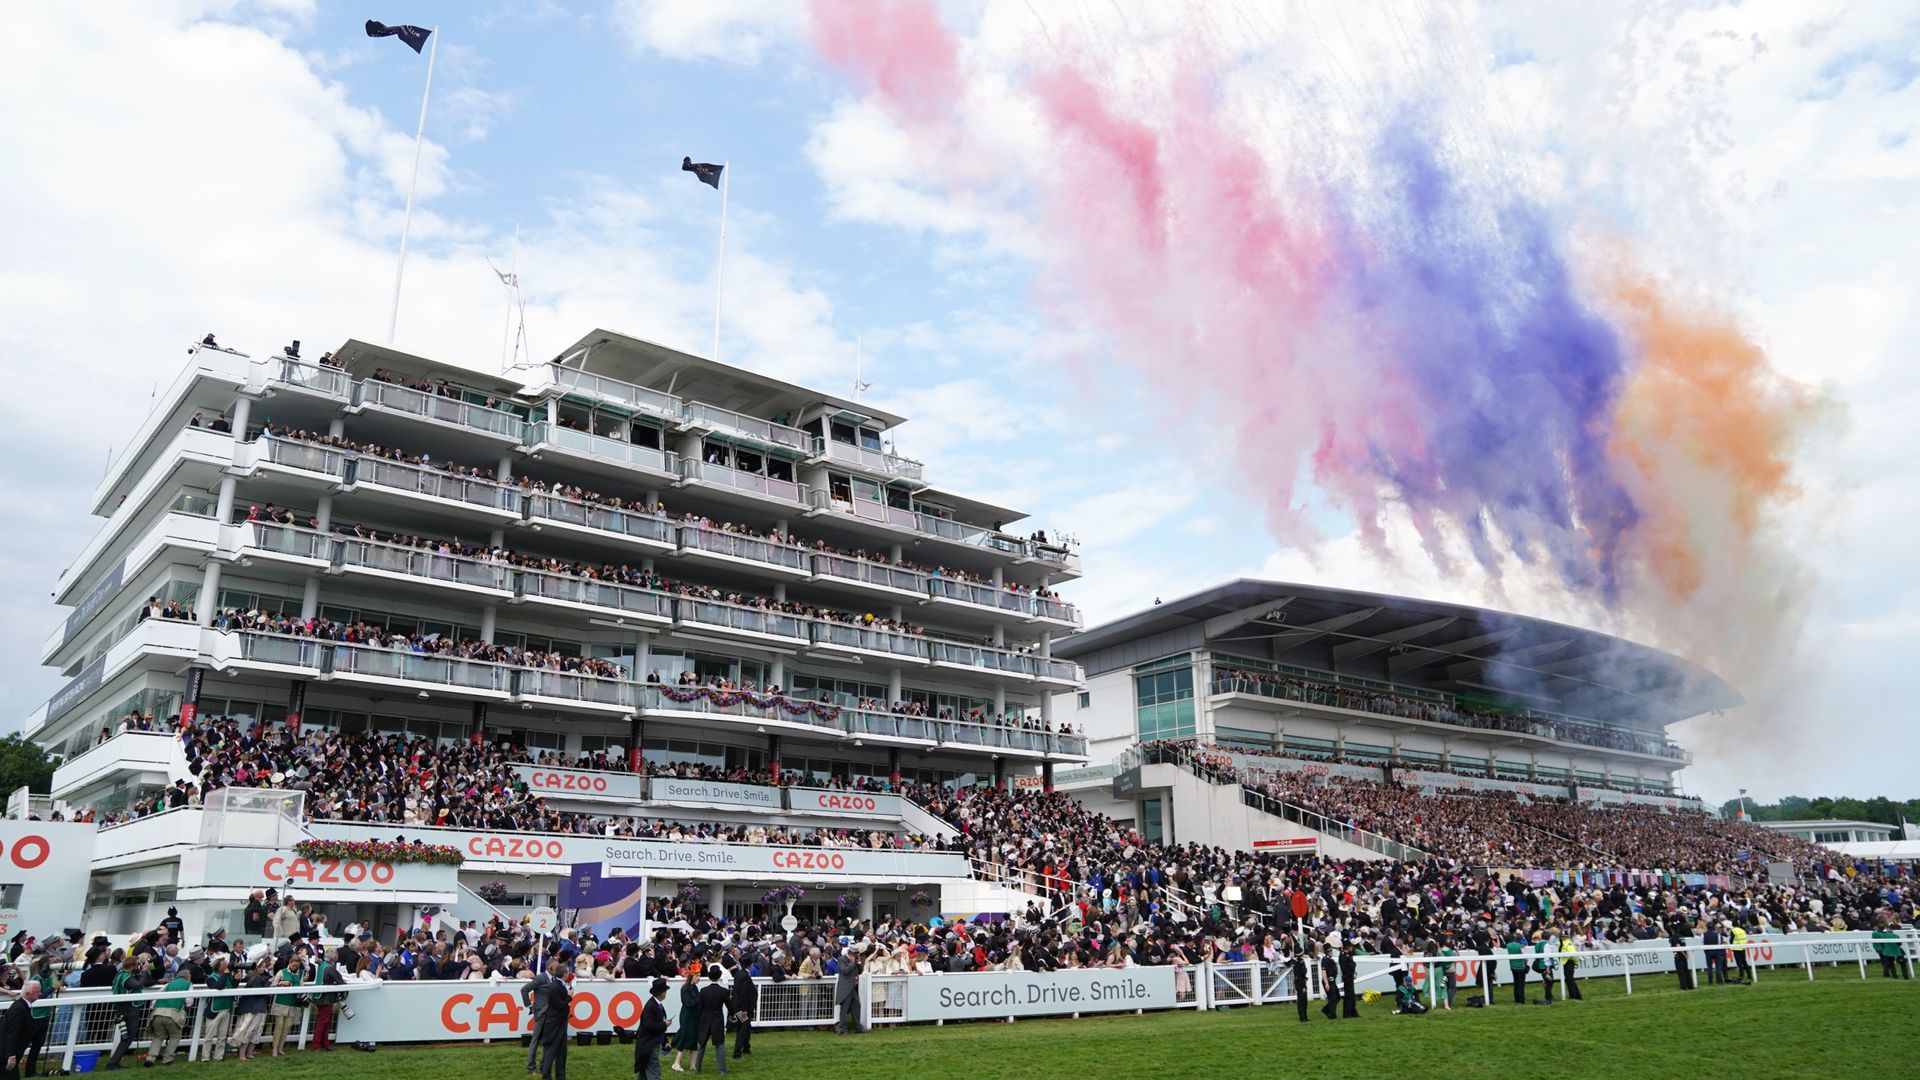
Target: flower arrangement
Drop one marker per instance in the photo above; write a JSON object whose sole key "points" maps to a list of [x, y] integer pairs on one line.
{"points": [[384, 851], [785, 894], [492, 891], [690, 893], [920, 899], [847, 902], [727, 699]]}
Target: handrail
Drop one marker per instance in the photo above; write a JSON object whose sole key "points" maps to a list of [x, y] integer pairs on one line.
{"points": [[742, 546], [401, 475], [587, 382], [595, 592], [1313, 819], [712, 472], [600, 446], [627, 521], [434, 406], [287, 371], [869, 572], [766, 431]]}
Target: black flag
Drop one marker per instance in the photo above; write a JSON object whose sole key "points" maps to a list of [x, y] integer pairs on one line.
{"points": [[708, 174], [414, 36]]}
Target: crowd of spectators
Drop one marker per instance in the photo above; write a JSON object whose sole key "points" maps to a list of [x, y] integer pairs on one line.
{"points": [[1365, 699]]}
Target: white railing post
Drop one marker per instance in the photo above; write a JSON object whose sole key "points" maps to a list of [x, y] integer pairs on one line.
{"points": [[1860, 956], [1806, 954], [1627, 969], [1254, 981], [1203, 991], [193, 1041]]}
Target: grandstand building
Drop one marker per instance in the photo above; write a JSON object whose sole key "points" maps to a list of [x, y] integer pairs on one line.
{"points": [[1286, 676], [792, 596]]}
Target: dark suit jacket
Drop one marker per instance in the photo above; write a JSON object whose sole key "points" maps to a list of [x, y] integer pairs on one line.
{"points": [[16, 1030], [746, 996], [653, 1033], [713, 1012], [559, 1008]]}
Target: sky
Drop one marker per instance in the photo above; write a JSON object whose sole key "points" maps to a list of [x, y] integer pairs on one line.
{"points": [[1073, 242]]}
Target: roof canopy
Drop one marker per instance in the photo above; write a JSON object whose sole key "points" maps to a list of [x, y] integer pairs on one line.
{"points": [[1413, 642]]}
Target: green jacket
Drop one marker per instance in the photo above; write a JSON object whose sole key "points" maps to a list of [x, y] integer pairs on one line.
{"points": [[45, 1008], [219, 980], [1517, 955], [179, 983], [290, 1000], [1886, 943]]}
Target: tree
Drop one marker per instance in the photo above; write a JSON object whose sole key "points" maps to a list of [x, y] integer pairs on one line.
{"points": [[24, 763]]}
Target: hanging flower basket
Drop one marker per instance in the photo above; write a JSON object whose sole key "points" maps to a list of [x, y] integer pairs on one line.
{"points": [[382, 851]]}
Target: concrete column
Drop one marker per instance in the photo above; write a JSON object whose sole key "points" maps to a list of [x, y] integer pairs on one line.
{"points": [[1046, 710], [898, 553], [296, 703], [636, 744], [894, 691], [866, 903], [504, 471], [477, 724], [773, 756], [999, 636], [242, 415], [777, 674], [209, 594], [999, 701], [1046, 777], [893, 766], [223, 501], [780, 592], [717, 898], [497, 538], [898, 613], [646, 565], [488, 615], [999, 773], [337, 427], [323, 513], [1046, 644], [310, 598], [642, 656]]}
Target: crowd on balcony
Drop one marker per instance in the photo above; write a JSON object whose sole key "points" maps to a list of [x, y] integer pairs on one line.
{"points": [[1314, 692], [1223, 754], [435, 387], [372, 635], [156, 608]]}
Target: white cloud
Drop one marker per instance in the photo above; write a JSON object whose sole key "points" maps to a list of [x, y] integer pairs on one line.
{"points": [[734, 31]]}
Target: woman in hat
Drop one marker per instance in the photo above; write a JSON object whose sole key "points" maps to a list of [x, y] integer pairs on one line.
{"points": [[686, 1039]]}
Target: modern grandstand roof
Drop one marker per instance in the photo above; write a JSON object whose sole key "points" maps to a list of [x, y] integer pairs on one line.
{"points": [[1428, 643]]}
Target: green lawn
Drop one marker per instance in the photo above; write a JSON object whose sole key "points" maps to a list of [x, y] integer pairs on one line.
{"points": [[1785, 1026]]}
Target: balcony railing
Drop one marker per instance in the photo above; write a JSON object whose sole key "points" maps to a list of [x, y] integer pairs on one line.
{"points": [[870, 639], [401, 476], [573, 686], [571, 589], [752, 548], [640, 524], [449, 410], [281, 649], [291, 540], [299, 455], [614, 390], [286, 371], [736, 617], [599, 446], [868, 459], [699, 414], [870, 573], [450, 671], [1048, 608], [414, 562], [981, 595], [771, 487], [651, 696]]}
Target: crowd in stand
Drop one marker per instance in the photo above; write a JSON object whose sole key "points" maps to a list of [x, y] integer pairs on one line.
{"points": [[1314, 692]]}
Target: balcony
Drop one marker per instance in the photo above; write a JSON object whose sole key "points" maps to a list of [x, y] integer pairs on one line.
{"points": [[569, 590], [865, 509], [542, 435], [867, 460], [1048, 609], [659, 699], [978, 595], [700, 416], [573, 688], [752, 483], [366, 663], [645, 528], [703, 542], [286, 373], [301, 456], [639, 398], [499, 423], [834, 637], [350, 555], [755, 622], [883, 725], [152, 758], [422, 482], [288, 543], [253, 650], [897, 579]]}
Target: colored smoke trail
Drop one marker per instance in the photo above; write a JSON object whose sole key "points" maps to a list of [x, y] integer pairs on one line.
{"points": [[1394, 329]]}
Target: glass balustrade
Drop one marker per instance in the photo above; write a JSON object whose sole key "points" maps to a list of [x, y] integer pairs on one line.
{"points": [[281, 649], [626, 521], [735, 617], [870, 639], [415, 562], [286, 371], [755, 483], [613, 596], [299, 455], [290, 540], [451, 410], [599, 446], [400, 476], [870, 573], [343, 659], [573, 686], [753, 548], [614, 390], [869, 459], [765, 431]]}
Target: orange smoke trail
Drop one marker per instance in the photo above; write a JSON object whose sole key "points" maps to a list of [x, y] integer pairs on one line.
{"points": [[1710, 426]]}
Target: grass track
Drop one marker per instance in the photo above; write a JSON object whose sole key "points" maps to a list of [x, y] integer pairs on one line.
{"points": [[1786, 1026]]}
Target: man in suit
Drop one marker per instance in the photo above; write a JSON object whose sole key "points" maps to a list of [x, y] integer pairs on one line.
{"points": [[713, 1020], [534, 996], [846, 992], [1297, 972], [16, 1031], [552, 1032], [1350, 1001], [653, 1032], [745, 1003]]}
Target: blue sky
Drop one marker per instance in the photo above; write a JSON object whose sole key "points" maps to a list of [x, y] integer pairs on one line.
{"points": [[240, 166]]}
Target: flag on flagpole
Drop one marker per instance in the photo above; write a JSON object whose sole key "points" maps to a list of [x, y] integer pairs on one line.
{"points": [[709, 174], [414, 36]]}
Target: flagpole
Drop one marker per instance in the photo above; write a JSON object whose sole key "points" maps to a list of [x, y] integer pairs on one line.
{"points": [[406, 225], [512, 282], [720, 271]]}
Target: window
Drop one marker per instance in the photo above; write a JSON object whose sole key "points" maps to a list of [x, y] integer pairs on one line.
{"points": [[1086, 699], [1163, 704], [1152, 823], [1252, 740], [870, 439]]}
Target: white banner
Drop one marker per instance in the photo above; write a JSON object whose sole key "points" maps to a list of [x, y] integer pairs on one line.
{"points": [[1763, 951], [44, 867], [259, 868], [984, 995], [555, 783], [713, 793], [557, 852], [1612, 797], [851, 803]]}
